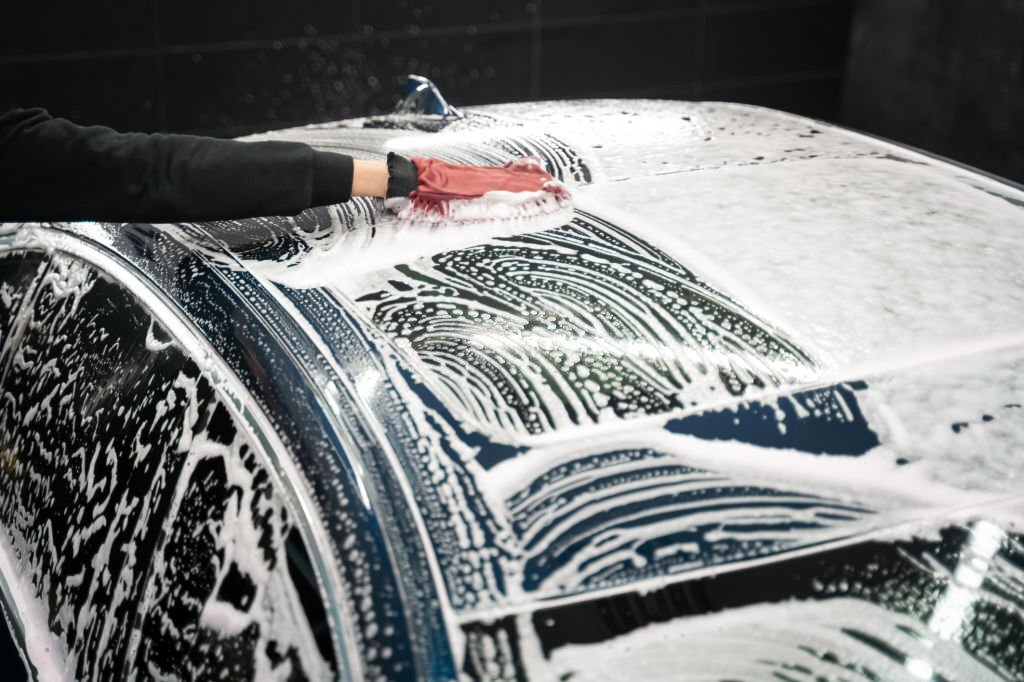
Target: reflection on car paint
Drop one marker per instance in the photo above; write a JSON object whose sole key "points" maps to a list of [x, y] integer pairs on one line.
{"points": [[843, 418], [943, 607], [563, 327], [826, 420], [488, 565]]}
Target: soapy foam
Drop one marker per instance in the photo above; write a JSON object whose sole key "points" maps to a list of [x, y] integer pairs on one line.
{"points": [[476, 500], [861, 258], [367, 247], [667, 209], [46, 652], [824, 640], [89, 560]]}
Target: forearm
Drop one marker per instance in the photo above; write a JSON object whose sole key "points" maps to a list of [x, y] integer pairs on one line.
{"points": [[52, 169]]}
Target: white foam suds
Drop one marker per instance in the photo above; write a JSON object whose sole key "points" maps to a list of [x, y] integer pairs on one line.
{"points": [[873, 479], [45, 651], [73, 553], [857, 257], [750, 256], [825, 639], [799, 257], [368, 249]]}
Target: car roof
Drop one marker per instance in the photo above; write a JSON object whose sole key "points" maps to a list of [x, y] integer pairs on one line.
{"points": [[775, 306]]}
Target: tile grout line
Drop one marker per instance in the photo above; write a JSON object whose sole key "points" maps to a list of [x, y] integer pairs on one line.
{"points": [[535, 48], [534, 23], [728, 84], [698, 56], [789, 77], [161, 90]]}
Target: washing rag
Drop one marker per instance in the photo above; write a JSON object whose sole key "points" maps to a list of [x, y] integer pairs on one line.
{"points": [[432, 190]]}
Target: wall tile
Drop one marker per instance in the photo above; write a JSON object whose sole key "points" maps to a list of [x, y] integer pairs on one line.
{"points": [[750, 43], [120, 93], [74, 26], [403, 14], [185, 22], [945, 76], [242, 89], [324, 80], [818, 98], [561, 9], [684, 91], [582, 60], [477, 52], [480, 69]]}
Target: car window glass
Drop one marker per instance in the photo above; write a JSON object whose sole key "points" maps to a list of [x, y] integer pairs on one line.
{"points": [[19, 274], [137, 508]]}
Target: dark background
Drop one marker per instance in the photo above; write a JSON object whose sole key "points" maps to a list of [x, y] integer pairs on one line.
{"points": [[945, 75]]}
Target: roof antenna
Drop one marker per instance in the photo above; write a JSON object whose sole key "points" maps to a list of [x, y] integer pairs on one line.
{"points": [[421, 96]]}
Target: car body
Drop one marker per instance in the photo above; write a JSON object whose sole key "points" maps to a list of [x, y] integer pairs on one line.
{"points": [[750, 410]]}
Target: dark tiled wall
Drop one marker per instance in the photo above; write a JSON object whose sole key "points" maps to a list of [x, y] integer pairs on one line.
{"points": [[944, 75], [232, 66]]}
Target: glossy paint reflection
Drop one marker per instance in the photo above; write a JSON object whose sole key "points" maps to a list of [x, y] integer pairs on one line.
{"points": [[615, 356], [878, 610], [573, 325], [672, 381]]}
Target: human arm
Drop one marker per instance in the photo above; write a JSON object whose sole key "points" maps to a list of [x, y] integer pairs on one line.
{"points": [[369, 178], [52, 169]]}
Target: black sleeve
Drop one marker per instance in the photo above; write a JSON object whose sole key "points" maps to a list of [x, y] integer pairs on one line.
{"points": [[52, 169]]}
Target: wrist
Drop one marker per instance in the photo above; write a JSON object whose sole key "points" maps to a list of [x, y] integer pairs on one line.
{"points": [[403, 176], [369, 178]]}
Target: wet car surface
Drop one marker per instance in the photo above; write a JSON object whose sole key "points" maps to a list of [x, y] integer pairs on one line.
{"points": [[751, 410]]}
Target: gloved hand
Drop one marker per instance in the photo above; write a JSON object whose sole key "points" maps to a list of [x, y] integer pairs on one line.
{"points": [[436, 180], [519, 188]]}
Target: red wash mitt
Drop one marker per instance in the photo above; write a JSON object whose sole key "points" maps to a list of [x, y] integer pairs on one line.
{"points": [[447, 192]]}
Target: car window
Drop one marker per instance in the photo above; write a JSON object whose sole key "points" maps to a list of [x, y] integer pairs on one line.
{"points": [[19, 274], [138, 510]]}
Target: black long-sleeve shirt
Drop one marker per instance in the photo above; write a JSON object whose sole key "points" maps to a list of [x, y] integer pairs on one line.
{"points": [[52, 169]]}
